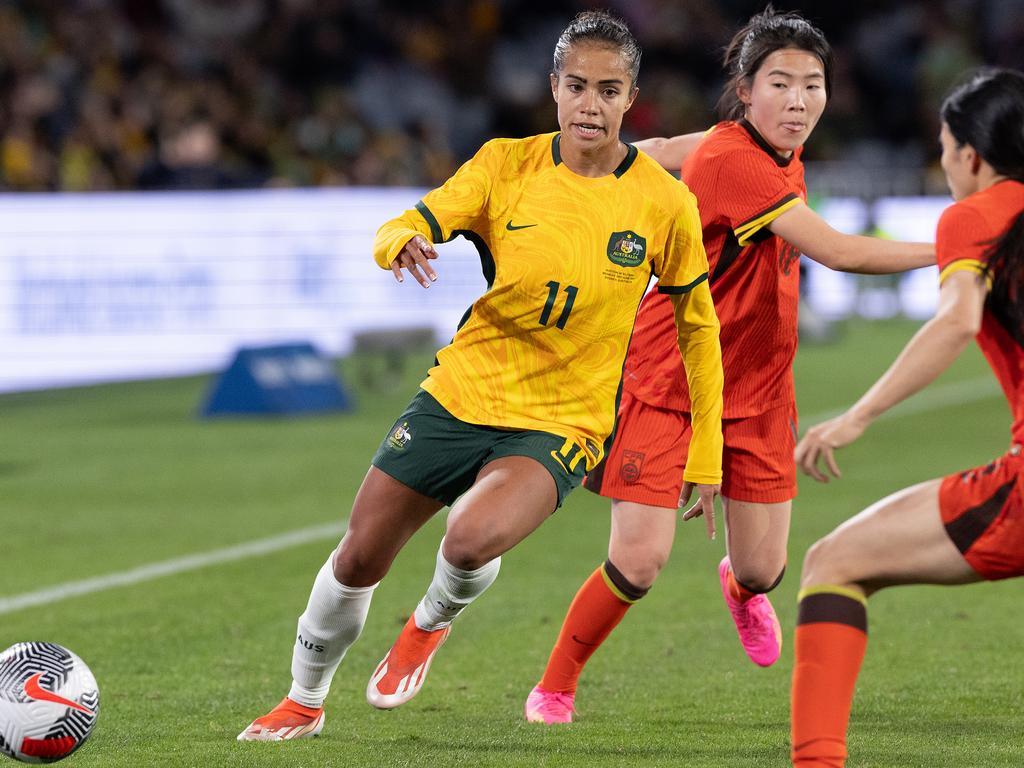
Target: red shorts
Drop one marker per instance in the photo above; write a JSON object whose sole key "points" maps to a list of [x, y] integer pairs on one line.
{"points": [[983, 513], [646, 460]]}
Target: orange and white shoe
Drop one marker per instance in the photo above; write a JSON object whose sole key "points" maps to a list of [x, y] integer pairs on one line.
{"points": [[401, 673], [288, 720]]}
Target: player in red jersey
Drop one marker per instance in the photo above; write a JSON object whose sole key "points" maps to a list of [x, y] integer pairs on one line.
{"points": [[749, 182], [961, 528]]}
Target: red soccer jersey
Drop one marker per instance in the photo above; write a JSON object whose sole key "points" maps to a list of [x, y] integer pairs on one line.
{"points": [[741, 185], [966, 231]]}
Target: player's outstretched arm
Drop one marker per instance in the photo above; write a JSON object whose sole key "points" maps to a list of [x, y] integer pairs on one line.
{"points": [[802, 227], [671, 152], [930, 352]]}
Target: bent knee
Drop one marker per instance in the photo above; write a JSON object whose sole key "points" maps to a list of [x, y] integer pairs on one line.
{"points": [[355, 566], [640, 571], [823, 563], [760, 577], [760, 582], [639, 561], [466, 550]]}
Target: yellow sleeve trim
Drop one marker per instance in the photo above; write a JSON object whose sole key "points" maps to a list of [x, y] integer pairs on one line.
{"points": [[750, 228], [832, 589], [965, 265]]}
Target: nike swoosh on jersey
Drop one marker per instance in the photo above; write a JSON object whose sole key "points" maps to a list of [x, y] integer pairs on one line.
{"points": [[512, 227], [584, 642], [35, 691]]}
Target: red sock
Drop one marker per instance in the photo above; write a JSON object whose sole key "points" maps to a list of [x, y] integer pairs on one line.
{"points": [[830, 640], [595, 611]]}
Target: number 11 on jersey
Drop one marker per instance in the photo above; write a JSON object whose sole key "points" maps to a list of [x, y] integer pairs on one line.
{"points": [[553, 291]]}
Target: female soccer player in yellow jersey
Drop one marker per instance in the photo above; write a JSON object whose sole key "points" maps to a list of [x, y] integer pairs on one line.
{"points": [[570, 227], [961, 528]]}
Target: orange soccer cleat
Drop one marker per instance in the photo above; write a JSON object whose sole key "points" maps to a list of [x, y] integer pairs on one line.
{"points": [[288, 720], [401, 673]]}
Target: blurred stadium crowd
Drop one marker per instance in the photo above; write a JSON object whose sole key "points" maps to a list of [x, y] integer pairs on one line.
{"points": [[180, 94]]}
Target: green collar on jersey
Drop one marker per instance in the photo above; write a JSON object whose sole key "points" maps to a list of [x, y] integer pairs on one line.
{"points": [[627, 161]]}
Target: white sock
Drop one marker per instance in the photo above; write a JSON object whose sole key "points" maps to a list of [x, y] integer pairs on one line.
{"points": [[333, 619], [452, 590]]}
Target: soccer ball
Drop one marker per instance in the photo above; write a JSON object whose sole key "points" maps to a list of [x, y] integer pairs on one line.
{"points": [[49, 702]]}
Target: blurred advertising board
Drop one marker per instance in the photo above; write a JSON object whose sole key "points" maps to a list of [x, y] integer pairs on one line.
{"points": [[103, 287]]}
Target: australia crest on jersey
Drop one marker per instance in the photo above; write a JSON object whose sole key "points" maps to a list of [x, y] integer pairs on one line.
{"points": [[627, 249], [400, 436]]}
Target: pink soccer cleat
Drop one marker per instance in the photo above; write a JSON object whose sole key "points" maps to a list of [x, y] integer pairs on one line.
{"points": [[549, 707], [756, 623]]}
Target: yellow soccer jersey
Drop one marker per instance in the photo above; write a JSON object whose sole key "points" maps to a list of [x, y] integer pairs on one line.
{"points": [[567, 260]]}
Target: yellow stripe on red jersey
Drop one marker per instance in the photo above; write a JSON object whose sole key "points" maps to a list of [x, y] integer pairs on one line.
{"points": [[567, 259], [965, 265], [745, 232]]}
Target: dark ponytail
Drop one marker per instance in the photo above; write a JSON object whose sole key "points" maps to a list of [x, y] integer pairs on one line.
{"points": [[1005, 268], [765, 33], [987, 112]]}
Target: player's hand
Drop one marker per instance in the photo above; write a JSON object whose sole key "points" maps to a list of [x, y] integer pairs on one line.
{"points": [[821, 441], [705, 504], [415, 257]]}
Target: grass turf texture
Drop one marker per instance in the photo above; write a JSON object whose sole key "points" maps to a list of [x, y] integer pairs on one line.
{"points": [[104, 479]]}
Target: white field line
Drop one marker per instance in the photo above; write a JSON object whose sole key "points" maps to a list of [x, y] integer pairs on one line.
{"points": [[170, 567], [936, 398]]}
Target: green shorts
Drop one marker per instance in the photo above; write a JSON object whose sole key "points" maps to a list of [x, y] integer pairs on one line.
{"points": [[440, 456]]}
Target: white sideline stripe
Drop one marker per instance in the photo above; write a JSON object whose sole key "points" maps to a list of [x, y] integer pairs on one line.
{"points": [[170, 567], [932, 399], [936, 398]]}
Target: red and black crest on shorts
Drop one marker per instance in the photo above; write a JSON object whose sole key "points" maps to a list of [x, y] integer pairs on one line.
{"points": [[632, 464]]}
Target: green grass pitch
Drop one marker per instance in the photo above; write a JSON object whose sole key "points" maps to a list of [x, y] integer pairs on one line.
{"points": [[101, 480]]}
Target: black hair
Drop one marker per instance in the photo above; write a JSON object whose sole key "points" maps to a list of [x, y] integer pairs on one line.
{"points": [[987, 112], [599, 27], [765, 33]]}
